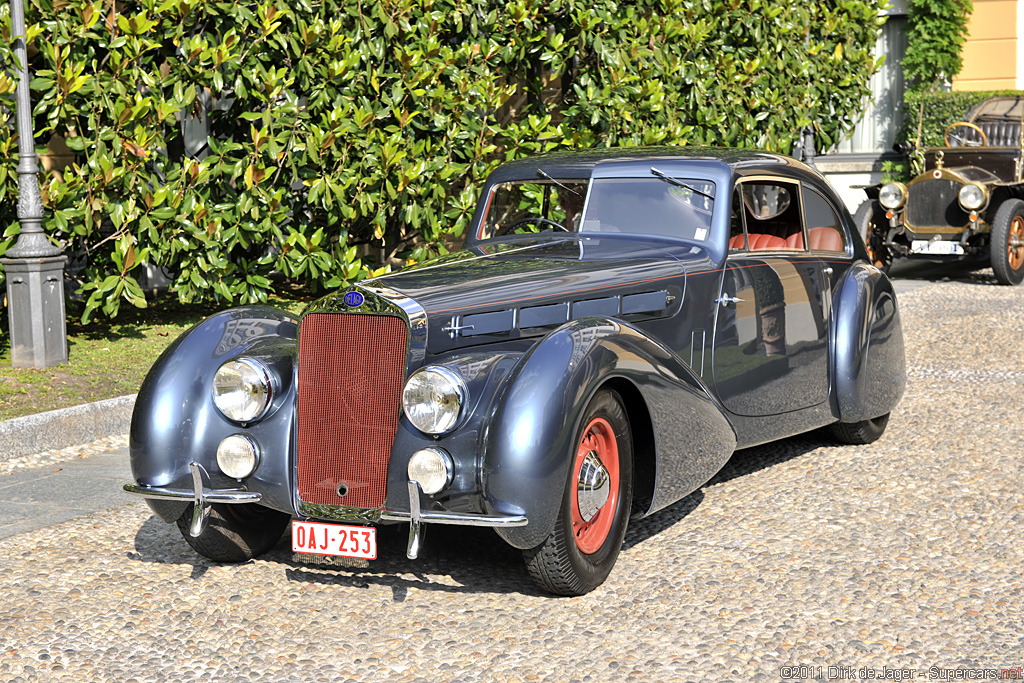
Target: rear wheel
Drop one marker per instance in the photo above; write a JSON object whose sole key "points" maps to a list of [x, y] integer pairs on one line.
{"points": [[235, 532], [859, 433], [871, 221], [1006, 247], [581, 550]]}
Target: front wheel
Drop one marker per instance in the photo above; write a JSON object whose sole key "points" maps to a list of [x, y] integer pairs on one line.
{"points": [[871, 224], [1006, 248], [860, 433], [235, 532], [580, 552]]}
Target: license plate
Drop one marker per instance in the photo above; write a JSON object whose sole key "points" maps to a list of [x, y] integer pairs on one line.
{"points": [[334, 539], [940, 247]]}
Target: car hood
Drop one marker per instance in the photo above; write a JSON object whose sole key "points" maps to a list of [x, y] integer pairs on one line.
{"points": [[584, 275]]}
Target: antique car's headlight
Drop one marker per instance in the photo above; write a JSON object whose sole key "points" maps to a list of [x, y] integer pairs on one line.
{"points": [[433, 399], [432, 468], [237, 456], [973, 197], [892, 195], [243, 389]]}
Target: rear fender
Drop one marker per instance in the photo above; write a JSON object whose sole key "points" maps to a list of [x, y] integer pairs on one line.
{"points": [[870, 364], [529, 440]]}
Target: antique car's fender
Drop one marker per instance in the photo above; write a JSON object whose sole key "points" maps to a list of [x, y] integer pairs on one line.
{"points": [[175, 421], [537, 413], [870, 366]]}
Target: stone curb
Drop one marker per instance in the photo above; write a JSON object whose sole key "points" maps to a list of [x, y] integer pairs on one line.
{"points": [[65, 427]]}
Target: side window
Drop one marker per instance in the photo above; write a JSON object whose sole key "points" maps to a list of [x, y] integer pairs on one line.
{"points": [[737, 239], [824, 231], [772, 215]]}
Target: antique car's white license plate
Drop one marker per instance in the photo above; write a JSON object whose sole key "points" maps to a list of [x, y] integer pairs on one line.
{"points": [[936, 247], [334, 539]]}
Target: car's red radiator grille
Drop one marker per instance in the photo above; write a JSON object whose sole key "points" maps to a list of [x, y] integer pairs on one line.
{"points": [[351, 368]]}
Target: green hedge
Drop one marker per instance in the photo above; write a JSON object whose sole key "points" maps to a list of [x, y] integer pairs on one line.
{"points": [[348, 136]]}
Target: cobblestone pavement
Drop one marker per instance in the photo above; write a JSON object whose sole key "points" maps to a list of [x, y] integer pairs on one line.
{"points": [[846, 561]]}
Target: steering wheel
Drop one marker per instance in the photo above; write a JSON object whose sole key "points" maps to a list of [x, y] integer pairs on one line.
{"points": [[964, 142], [531, 219]]}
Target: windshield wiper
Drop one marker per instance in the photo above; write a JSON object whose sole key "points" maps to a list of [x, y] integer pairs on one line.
{"points": [[679, 183], [544, 175]]}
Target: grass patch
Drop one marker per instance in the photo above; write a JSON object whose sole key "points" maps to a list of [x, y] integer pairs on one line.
{"points": [[106, 358]]}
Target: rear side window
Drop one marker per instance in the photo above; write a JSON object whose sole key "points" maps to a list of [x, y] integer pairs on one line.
{"points": [[824, 231]]}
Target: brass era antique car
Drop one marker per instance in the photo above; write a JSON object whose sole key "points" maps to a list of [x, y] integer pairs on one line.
{"points": [[617, 325], [968, 203]]}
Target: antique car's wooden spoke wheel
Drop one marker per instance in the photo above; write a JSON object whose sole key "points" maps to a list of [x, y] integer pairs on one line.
{"points": [[235, 532], [1007, 242], [580, 552], [871, 223]]}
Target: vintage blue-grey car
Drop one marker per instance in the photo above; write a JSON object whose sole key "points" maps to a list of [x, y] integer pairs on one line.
{"points": [[618, 323]]}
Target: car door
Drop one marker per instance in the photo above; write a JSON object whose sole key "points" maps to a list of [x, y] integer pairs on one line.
{"points": [[770, 347]]}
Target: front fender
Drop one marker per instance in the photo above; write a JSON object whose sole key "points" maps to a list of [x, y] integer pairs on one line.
{"points": [[870, 364], [175, 421], [530, 438]]}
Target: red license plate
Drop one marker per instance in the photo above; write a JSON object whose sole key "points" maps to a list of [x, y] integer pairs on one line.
{"points": [[334, 539]]}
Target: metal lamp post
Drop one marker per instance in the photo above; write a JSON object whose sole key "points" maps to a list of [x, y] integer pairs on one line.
{"points": [[34, 267]]}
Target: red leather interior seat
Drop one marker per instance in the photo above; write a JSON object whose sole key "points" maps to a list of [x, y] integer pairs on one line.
{"points": [[759, 242]]}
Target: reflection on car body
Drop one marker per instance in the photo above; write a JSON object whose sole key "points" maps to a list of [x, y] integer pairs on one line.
{"points": [[618, 323]]}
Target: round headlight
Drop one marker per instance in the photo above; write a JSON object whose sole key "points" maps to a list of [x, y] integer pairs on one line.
{"points": [[432, 468], [892, 195], [433, 398], [237, 456], [972, 197], [243, 389]]}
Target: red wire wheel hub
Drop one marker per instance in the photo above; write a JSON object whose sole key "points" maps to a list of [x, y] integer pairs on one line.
{"points": [[595, 493]]}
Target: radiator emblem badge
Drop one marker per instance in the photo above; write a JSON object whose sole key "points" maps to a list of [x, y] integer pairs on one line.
{"points": [[353, 299]]}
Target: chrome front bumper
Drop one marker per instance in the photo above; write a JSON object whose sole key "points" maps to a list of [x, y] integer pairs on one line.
{"points": [[202, 495]]}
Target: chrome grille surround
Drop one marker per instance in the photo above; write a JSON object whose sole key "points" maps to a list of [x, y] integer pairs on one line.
{"points": [[377, 301]]}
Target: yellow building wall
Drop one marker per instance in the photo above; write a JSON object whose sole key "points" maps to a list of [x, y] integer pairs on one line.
{"points": [[992, 53]]}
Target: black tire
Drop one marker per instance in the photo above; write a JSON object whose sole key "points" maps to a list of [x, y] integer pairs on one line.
{"points": [[235, 532], [871, 224], [860, 433], [1006, 244], [559, 565]]}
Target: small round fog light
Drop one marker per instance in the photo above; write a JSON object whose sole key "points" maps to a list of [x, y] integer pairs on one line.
{"points": [[238, 456], [432, 468]]}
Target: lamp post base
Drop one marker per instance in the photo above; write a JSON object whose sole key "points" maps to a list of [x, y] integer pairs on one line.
{"points": [[35, 307]]}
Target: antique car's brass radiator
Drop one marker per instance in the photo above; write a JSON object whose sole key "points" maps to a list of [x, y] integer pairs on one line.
{"points": [[933, 204], [351, 368]]}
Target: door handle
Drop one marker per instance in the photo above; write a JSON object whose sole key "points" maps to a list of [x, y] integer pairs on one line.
{"points": [[828, 270], [726, 300]]}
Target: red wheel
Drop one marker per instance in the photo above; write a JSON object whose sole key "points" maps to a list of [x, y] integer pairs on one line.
{"points": [[596, 473], [581, 550]]}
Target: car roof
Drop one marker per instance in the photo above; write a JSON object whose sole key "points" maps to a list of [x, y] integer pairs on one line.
{"points": [[998, 109], [581, 163]]}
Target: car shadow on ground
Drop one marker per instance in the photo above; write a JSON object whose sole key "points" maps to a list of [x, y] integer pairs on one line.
{"points": [[454, 559], [743, 462]]}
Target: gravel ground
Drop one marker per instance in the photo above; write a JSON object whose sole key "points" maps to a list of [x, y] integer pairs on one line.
{"points": [[800, 560]]}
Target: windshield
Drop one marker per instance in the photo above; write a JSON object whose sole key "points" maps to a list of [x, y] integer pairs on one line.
{"points": [[644, 206], [651, 206], [520, 207]]}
